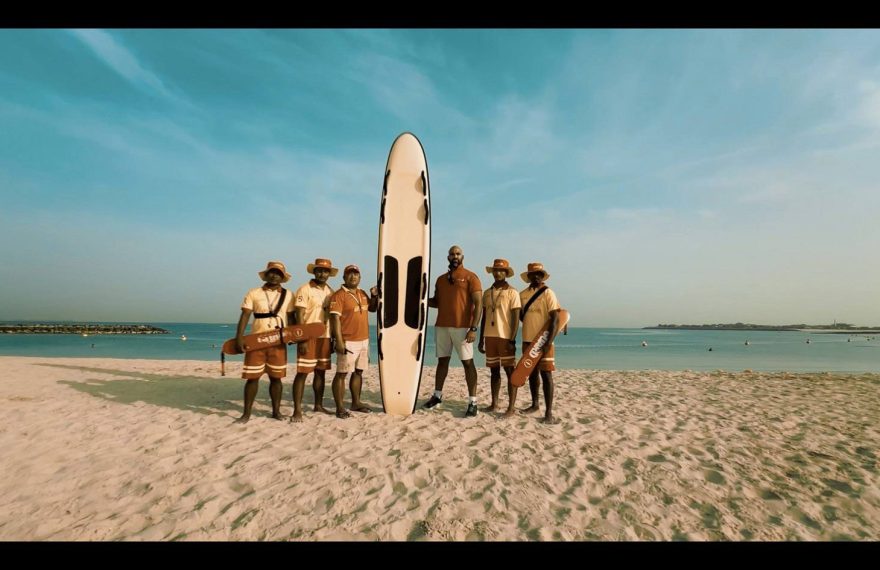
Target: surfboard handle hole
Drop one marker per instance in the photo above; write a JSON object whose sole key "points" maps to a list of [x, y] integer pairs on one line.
{"points": [[426, 211], [424, 184], [385, 183], [419, 348]]}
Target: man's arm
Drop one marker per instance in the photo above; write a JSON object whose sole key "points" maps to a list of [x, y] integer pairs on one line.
{"points": [[336, 332], [301, 315], [477, 303], [242, 323], [482, 330], [374, 300], [554, 315], [515, 314]]}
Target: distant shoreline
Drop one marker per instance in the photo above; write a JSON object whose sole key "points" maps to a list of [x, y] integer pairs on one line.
{"points": [[82, 329], [818, 329]]}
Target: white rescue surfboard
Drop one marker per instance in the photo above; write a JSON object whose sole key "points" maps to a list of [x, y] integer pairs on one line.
{"points": [[404, 267]]}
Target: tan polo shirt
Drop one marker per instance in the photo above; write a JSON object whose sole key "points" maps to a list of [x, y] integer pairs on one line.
{"points": [[454, 307], [263, 300], [497, 306], [315, 300], [538, 313], [352, 308]]}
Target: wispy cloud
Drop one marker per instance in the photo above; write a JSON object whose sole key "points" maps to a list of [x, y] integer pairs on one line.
{"points": [[869, 108], [122, 61], [405, 91], [521, 133]]}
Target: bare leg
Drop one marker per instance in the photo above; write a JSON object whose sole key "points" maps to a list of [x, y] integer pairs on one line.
{"points": [[547, 377], [495, 383], [338, 395], [511, 394], [470, 376], [299, 386], [275, 393], [354, 384], [250, 394], [533, 388], [318, 387], [442, 370]]}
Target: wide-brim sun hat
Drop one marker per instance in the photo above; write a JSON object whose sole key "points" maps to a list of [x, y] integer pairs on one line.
{"points": [[500, 264], [323, 264], [275, 265], [532, 268]]}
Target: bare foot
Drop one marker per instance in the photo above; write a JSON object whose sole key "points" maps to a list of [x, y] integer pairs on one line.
{"points": [[491, 408], [550, 420], [531, 409], [320, 408], [361, 408], [297, 417], [242, 420], [343, 414], [507, 415], [277, 416]]}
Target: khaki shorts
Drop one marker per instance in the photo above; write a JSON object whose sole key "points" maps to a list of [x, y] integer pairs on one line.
{"points": [[356, 357], [447, 338]]}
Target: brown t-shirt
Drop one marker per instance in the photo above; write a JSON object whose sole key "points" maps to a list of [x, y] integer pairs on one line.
{"points": [[454, 307], [352, 307]]}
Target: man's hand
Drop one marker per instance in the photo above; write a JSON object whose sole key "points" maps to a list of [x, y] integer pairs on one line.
{"points": [[471, 336], [239, 344], [374, 291]]}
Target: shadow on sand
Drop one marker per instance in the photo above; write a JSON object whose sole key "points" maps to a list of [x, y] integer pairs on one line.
{"points": [[200, 394]]}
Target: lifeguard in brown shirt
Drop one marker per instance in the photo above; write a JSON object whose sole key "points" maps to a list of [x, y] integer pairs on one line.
{"points": [[349, 307], [458, 300]]}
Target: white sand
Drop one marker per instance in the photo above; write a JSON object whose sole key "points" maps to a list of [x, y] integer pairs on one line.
{"points": [[104, 449]]}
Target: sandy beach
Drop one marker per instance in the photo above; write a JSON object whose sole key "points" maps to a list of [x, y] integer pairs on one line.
{"points": [[104, 449]]}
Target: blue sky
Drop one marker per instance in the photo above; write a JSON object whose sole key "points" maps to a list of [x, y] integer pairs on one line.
{"points": [[662, 176]]}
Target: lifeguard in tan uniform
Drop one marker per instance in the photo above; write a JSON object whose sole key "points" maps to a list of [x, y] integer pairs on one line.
{"points": [[534, 314], [272, 307], [498, 328], [311, 302]]}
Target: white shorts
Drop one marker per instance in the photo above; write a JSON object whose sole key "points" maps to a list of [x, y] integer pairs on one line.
{"points": [[448, 337], [356, 357]]}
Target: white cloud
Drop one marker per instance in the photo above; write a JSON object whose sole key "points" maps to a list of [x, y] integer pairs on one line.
{"points": [[521, 133], [870, 105], [403, 90], [122, 61]]}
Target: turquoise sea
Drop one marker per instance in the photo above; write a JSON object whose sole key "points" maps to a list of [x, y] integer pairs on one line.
{"points": [[585, 348]]}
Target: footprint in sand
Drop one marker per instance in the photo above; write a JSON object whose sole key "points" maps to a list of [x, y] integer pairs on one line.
{"points": [[713, 476]]}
